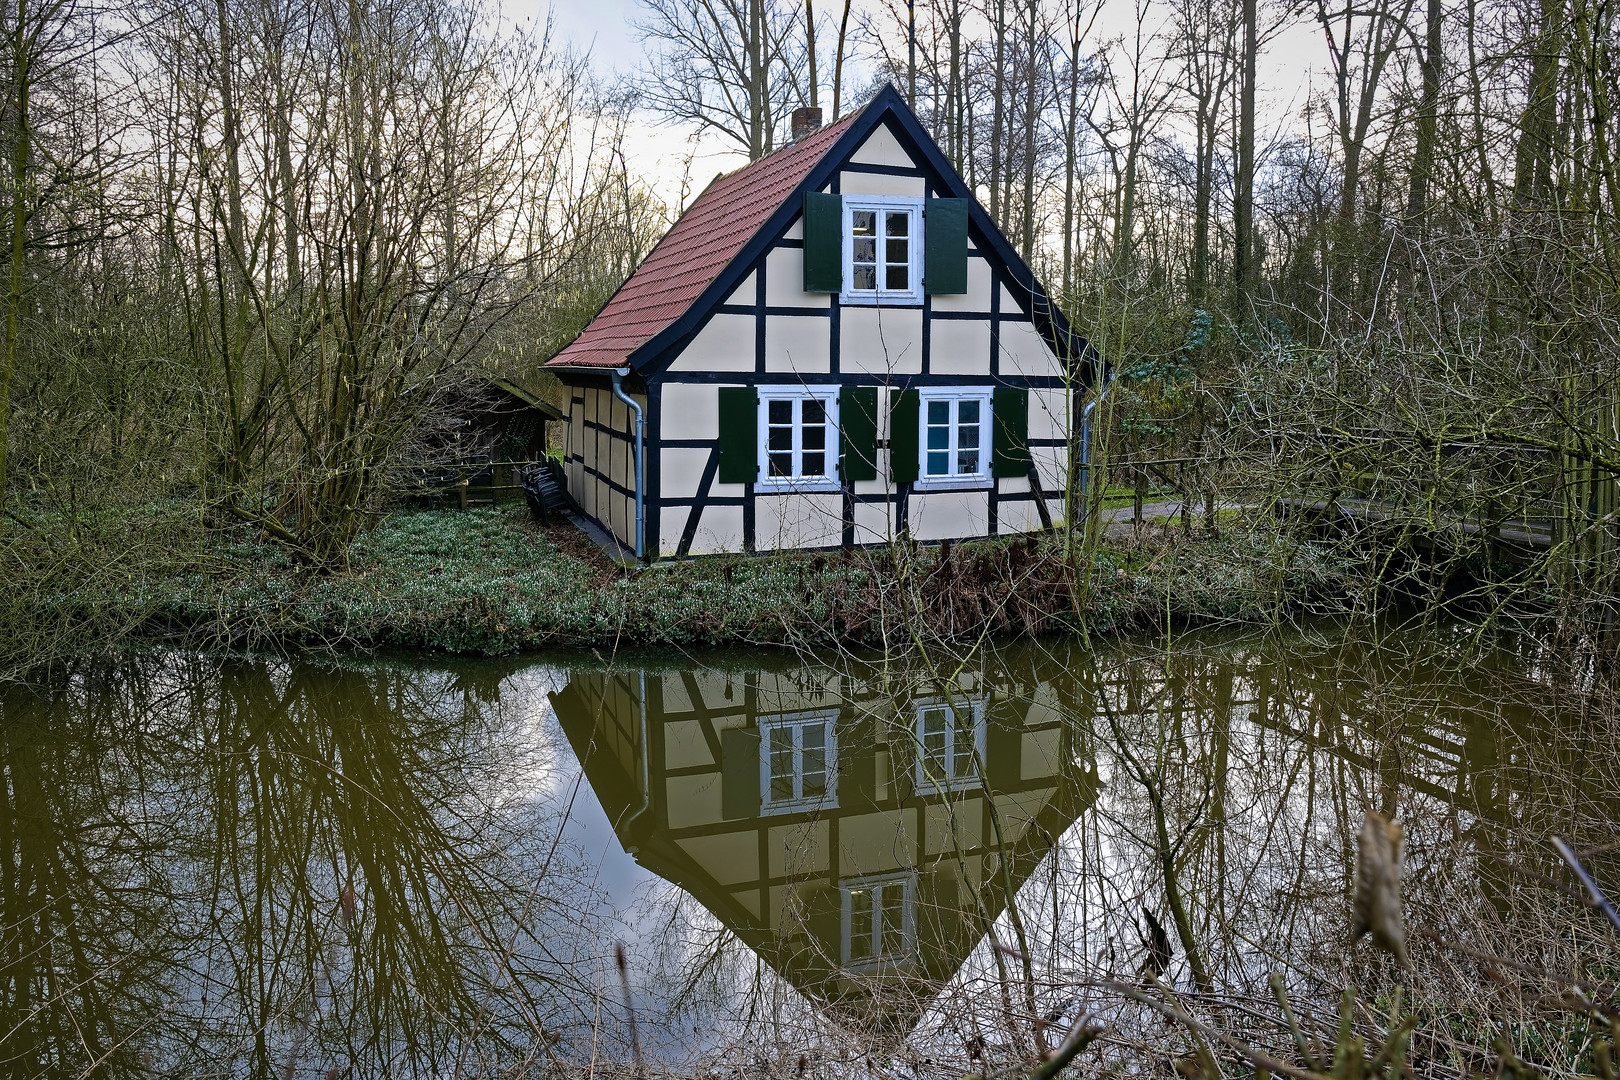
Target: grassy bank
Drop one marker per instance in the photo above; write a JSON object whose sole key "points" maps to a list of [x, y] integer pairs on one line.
{"points": [[493, 581]]}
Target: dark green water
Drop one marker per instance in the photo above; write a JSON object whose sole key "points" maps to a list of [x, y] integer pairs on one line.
{"points": [[276, 868]]}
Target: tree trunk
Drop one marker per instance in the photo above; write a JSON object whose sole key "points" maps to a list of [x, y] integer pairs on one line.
{"points": [[1245, 270]]}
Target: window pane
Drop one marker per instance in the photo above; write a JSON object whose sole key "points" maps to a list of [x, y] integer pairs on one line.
{"points": [[967, 462], [860, 925], [889, 915], [897, 223], [815, 464], [815, 437], [967, 437], [865, 277], [781, 764], [815, 760], [896, 250], [939, 412], [781, 464], [865, 249], [780, 412], [781, 438], [897, 277], [864, 222], [968, 411], [815, 412], [939, 437], [939, 464]]}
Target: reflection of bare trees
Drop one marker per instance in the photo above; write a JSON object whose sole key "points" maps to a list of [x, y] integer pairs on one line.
{"points": [[274, 867], [1236, 775]]}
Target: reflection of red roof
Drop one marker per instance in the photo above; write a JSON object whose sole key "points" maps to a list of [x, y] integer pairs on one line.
{"points": [[696, 248]]}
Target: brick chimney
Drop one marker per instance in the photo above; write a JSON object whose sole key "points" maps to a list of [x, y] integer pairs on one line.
{"points": [[806, 122]]}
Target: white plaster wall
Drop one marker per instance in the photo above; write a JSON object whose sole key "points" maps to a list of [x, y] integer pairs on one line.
{"points": [[943, 515], [743, 293], [880, 340], [1052, 466], [784, 281], [726, 343], [689, 411], [977, 298], [798, 521], [959, 347], [856, 183], [874, 523], [1025, 352], [882, 148], [680, 469], [720, 529], [1048, 416], [797, 343], [795, 231], [1018, 517]]}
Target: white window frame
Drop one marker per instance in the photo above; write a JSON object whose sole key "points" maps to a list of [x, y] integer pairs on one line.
{"points": [[955, 744], [880, 204], [985, 396], [828, 396], [797, 723], [905, 885]]}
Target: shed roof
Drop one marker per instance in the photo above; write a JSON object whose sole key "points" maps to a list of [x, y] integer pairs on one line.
{"points": [[695, 250]]}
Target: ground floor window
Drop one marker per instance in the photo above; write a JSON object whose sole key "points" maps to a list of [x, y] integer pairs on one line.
{"points": [[950, 745], [955, 436], [797, 756], [798, 437], [878, 922]]}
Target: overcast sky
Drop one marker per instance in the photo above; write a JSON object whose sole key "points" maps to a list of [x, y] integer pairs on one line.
{"points": [[1289, 65]]}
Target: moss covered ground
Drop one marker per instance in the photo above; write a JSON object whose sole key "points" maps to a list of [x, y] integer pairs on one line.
{"points": [[493, 581]]}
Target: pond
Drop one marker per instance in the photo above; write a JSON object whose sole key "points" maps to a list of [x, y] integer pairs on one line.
{"points": [[913, 863]]}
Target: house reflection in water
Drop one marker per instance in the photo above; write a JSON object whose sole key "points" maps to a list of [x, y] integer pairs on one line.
{"points": [[847, 829]]}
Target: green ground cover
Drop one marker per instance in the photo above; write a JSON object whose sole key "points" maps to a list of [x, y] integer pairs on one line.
{"points": [[493, 581]]}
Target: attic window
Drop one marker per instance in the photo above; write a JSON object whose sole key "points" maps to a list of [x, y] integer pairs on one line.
{"points": [[883, 250]]}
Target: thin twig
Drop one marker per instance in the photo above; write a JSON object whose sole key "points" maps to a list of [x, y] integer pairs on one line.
{"points": [[1599, 901]]}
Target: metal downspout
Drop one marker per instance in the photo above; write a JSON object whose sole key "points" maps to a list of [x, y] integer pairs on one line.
{"points": [[1085, 443], [641, 513]]}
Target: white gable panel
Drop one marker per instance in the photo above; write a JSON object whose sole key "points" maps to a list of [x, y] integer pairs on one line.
{"points": [[882, 148], [880, 341], [959, 347], [857, 183], [784, 281], [725, 344], [977, 297], [798, 343], [743, 293], [1025, 352]]}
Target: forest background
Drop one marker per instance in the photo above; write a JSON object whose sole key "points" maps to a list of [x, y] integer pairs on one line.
{"points": [[251, 246]]}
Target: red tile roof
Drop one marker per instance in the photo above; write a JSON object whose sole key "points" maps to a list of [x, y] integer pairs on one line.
{"points": [[694, 251]]}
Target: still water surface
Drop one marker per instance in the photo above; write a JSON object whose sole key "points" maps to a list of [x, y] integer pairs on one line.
{"points": [[266, 867]]}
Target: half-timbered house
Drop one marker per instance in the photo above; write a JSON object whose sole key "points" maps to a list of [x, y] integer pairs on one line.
{"points": [[859, 840], [833, 346]]}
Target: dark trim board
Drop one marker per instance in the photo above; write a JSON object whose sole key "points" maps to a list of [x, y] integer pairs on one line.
{"points": [[893, 381]]}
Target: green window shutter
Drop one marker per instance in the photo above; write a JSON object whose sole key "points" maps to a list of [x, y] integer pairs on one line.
{"points": [[857, 432], [823, 242], [739, 773], [1010, 447], [905, 412], [739, 435], [945, 246]]}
